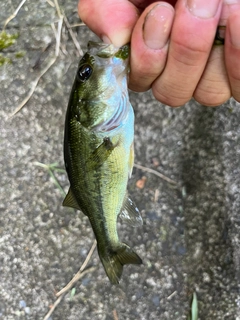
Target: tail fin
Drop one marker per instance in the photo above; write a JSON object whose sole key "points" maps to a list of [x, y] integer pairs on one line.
{"points": [[114, 261]]}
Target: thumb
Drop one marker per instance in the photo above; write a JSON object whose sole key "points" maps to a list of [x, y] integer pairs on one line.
{"points": [[111, 20]]}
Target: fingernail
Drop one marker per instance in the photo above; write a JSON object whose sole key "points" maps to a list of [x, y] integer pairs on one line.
{"points": [[105, 39], [117, 39], [234, 27], [203, 8], [231, 1], [229, 7], [157, 26]]}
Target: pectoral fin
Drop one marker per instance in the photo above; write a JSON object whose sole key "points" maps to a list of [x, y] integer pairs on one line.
{"points": [[130, 213], [70, 201], [102, 152]]}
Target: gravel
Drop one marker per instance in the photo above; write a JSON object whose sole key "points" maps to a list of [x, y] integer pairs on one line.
{"points": [[190, 239]]}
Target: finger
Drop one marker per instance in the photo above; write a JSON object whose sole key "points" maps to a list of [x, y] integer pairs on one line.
{"points": [[145, 3], [112, 21], [149, 45], [213, 88], [215, 85], [232, 53], [192, 36], [229, 7]]}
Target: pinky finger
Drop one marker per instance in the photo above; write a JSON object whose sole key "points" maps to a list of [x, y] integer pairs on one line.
{"points": [[232, 53]]}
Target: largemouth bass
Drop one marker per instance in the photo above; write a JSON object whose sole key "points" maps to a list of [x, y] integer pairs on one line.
{"points": [[98, 151]]}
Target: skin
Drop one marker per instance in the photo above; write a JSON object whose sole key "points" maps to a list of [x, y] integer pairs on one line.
{"points": [[172, 48]]}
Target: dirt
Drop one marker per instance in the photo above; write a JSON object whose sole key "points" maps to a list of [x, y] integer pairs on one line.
{"points": [[189, 241]]}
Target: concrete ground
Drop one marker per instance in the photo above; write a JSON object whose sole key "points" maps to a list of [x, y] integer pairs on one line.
{"points": [[190, 239]]}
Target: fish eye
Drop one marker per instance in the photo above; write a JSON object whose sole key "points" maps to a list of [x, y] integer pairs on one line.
{"points": [[84, 72]]}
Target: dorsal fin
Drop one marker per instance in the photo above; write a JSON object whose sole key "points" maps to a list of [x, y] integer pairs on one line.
{"points": [[70, 201], [130, 213]]}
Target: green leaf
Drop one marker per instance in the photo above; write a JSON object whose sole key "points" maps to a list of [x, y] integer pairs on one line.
{"points": [[194, 308]]}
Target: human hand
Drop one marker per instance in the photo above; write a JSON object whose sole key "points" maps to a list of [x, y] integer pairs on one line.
{"points": [[172, 49]]}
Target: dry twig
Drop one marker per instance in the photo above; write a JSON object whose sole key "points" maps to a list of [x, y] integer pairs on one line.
{"points": [[115, 316], [72, 34], [75, 25], [81, 273], [58, 9], [59, 299], [34, 85], [158, 174], [12, 16], [50, 3], [52, 61], [56, 303], [57, 33]]}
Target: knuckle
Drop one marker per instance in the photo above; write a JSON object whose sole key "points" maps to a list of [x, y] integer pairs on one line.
{"points": [[190, 53], [172, 97]]}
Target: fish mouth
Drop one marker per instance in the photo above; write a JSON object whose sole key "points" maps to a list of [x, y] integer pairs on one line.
{"points": [[117, 58], [104, 50]]}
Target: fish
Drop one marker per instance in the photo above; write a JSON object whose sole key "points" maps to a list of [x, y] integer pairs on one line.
{"points": [[98, 151]]}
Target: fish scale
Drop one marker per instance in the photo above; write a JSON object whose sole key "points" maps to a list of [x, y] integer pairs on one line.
{"points": [[98, 151]]}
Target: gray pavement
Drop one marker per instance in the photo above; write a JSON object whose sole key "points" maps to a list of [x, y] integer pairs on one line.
{"points": [[190, 239]]}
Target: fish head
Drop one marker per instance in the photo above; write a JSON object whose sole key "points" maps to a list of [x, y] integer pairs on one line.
{"points": [[100, 83], [102, 65]]}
